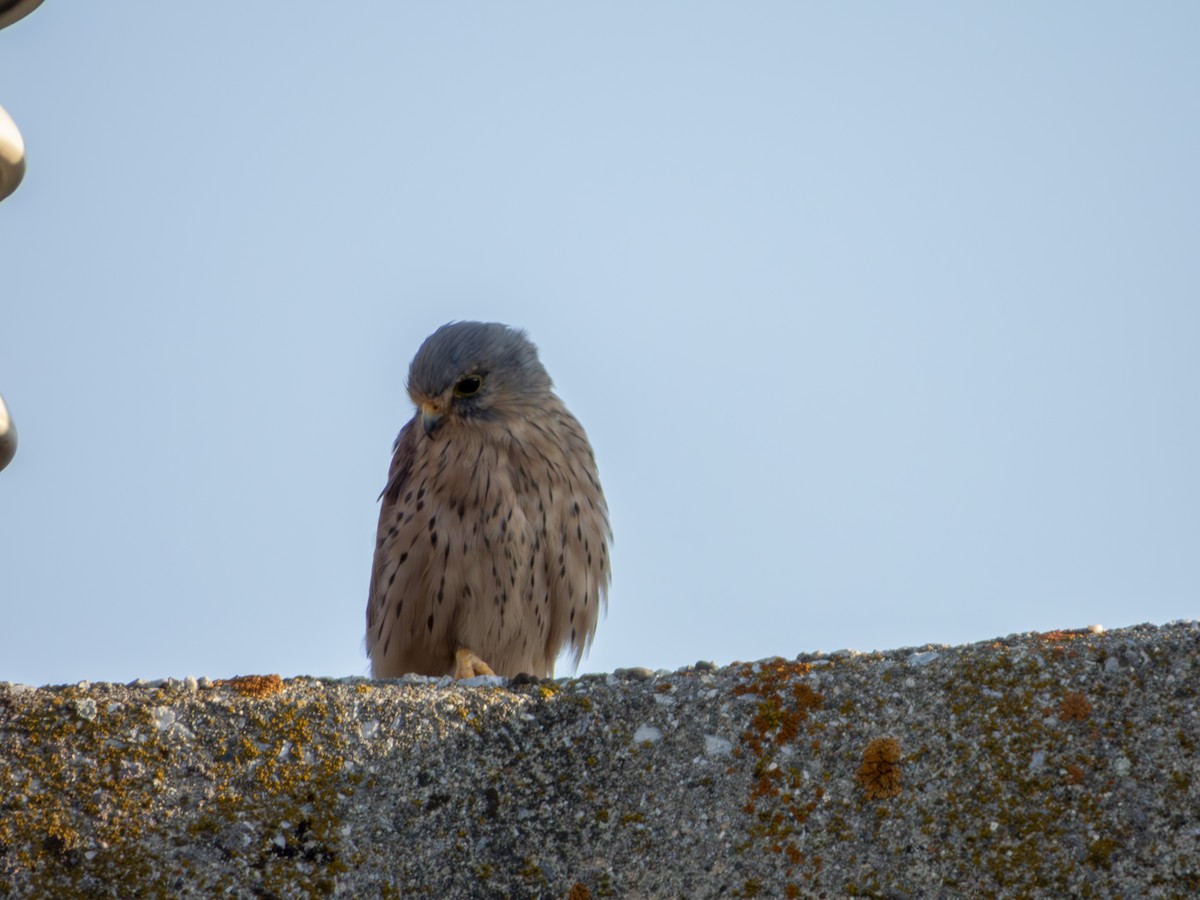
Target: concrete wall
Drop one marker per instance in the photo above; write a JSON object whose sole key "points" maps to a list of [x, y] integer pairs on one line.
{"points": [[1037, 765]]}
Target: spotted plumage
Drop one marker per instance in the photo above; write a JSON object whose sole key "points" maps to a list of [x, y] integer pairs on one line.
{"points": [[492, 547]]}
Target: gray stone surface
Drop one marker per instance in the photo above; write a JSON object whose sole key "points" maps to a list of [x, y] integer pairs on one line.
{"points": [[1061, 764]]}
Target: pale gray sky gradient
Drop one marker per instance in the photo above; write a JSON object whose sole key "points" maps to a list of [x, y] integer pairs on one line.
{"points": [[884, 319]]}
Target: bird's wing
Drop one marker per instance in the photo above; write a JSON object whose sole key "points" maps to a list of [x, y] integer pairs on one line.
{"points": [[404, 450]]}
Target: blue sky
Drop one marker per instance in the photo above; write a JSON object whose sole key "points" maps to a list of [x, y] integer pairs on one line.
{"points": [[883, 318]]}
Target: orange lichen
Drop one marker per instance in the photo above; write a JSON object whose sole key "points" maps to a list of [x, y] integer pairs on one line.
{"points": [[1060, 634], [1074, 774], [1058, 638], [579, 892], [786, 702], [781, 718], [1074, 707], [879, 772], [257, 686], [770, 675]]}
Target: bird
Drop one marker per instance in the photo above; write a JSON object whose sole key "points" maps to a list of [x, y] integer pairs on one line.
{"points": [[492, 551]]}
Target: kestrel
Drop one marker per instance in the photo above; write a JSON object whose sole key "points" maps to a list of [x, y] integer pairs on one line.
{"points": [[492, 550]]}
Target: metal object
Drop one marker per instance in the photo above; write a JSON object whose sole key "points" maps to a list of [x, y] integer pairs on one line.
{"points": [[12, 147], [12, 10], [12, 155], [12, 170], [8, 436]]}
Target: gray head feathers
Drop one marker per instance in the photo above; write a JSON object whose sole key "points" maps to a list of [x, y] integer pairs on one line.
{"points": [[506, 358]]}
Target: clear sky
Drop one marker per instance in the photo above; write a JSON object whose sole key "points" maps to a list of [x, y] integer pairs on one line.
{"points": [[884, 319]]}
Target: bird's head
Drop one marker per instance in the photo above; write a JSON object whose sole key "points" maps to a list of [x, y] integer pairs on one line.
{"points": [[475, 371]]}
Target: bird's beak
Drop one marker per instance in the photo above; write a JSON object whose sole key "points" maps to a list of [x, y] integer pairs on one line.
{"points": [[431, 416]]}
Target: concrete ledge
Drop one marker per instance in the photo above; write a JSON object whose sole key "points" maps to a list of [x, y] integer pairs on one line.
{"points": [[1038, 765]]}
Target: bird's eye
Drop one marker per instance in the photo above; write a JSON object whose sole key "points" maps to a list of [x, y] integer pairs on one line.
{"points": [[468, 386]]}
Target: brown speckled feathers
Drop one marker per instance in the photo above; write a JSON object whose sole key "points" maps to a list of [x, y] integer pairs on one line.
{"points": [[493, 530]]}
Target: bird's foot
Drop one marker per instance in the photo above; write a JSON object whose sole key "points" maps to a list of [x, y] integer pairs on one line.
{"points": [[468, 665]]}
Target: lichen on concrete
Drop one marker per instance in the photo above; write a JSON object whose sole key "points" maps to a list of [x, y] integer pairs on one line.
{"points": [[1035, 765]]}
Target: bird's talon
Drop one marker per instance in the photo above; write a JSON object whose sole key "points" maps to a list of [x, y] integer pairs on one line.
{"points": [[468, 665]]}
